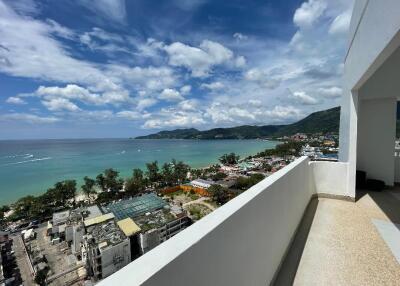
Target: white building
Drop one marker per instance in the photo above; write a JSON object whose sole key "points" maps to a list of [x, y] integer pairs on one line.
{"points": [[261, 237], [200, 183]]}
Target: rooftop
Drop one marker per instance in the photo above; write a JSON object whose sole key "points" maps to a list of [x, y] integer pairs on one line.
{"points": [[98, 219], [128, 226], [105, 234], [135, 206]]}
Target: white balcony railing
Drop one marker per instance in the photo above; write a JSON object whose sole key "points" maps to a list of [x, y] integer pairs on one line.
{"points": [[240, 243]]}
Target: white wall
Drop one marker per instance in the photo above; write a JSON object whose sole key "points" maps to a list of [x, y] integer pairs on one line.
{"points": [[374, 36], [115, 257], [240, 243], [330, 178], [376, 137]]}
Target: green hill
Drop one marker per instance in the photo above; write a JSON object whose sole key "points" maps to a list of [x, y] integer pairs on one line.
{"points": [[318, 122]]}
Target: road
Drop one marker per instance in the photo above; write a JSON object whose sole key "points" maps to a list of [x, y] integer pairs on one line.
{"points": [[23, 261]]}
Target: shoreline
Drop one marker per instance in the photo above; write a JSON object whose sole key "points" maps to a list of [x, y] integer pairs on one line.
{"points": [[125, 171]]}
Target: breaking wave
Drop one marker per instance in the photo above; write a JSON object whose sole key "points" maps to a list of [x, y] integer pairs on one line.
{"points": [[27, 161]]}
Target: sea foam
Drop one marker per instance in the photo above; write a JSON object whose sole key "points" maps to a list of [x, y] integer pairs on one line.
{"points": [[27, 161]]}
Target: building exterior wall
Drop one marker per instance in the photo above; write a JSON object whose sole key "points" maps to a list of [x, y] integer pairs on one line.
{"points": [[269, 211], [376, 138], [113, 258], [374, 36]]}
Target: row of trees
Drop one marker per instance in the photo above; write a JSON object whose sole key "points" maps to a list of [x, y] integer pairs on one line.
{"points": [[291, 148], [104, 188]]}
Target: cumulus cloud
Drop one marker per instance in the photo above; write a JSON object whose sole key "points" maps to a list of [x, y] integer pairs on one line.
{"points": [[262, 77], [60, 104], [331, 92], [284, 114], [341, 23], [309, 13], [303, 98], [200, 60], [212, 86], [185, 89], [15, 100], [173, 118], [169, 94], [128, 114]]}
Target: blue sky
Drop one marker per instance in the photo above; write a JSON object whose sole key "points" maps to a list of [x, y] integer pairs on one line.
{"points": [[116, 68]]}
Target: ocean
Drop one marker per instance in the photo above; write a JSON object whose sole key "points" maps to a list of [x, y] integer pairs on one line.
{"points": [[30, 167]]}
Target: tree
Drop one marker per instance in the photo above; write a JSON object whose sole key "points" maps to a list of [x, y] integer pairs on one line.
{"points": [[136, 184], [229, 159], [88, 187], [168, 174], [180, 171], [243, 183], [153, 172], [219, 194], [267, 167], [101, 182], [112, 180], [218, 176]]}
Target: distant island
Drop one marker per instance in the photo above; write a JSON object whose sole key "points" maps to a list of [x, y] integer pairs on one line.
{"points": [[326, 121]]}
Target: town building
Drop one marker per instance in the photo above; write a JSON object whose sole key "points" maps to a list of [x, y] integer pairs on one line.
{"points": [[200, 183], [106, 249]]}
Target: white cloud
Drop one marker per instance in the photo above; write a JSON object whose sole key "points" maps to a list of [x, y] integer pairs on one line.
{"points": [[29, 118], [15, 100], [189, 105], [201, 60], [144, 103], [341, 23], [212, 86], [331, 92], [130, 115], [309, 13], [169, 94], [284, 114], [98, 39], [239, 36], [303, 98], [173, 118], [34, 52], [60, 104], [185, 89], [263, 78], [240, 61], [114, 10]]}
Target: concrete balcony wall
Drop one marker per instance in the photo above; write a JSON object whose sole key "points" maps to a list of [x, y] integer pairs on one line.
{"points": [[240, 243], [330, 178]]}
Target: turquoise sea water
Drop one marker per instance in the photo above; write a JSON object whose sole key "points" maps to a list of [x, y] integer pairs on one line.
{"points": [[32, 166]]}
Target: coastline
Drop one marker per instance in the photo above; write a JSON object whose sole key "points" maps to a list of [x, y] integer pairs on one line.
{"points": [[72, 165]]}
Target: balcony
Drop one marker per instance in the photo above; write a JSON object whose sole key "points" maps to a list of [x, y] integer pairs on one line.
{"points": [[290, 228]]}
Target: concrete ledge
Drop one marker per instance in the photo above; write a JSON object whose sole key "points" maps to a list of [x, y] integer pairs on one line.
{"points": [[334, 197]]}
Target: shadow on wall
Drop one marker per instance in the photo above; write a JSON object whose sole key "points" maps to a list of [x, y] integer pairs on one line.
{"points": [[288, 270]]}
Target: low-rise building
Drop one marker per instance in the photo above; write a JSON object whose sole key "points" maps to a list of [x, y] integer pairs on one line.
{"points": [[200, 183], [106, 249]]}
